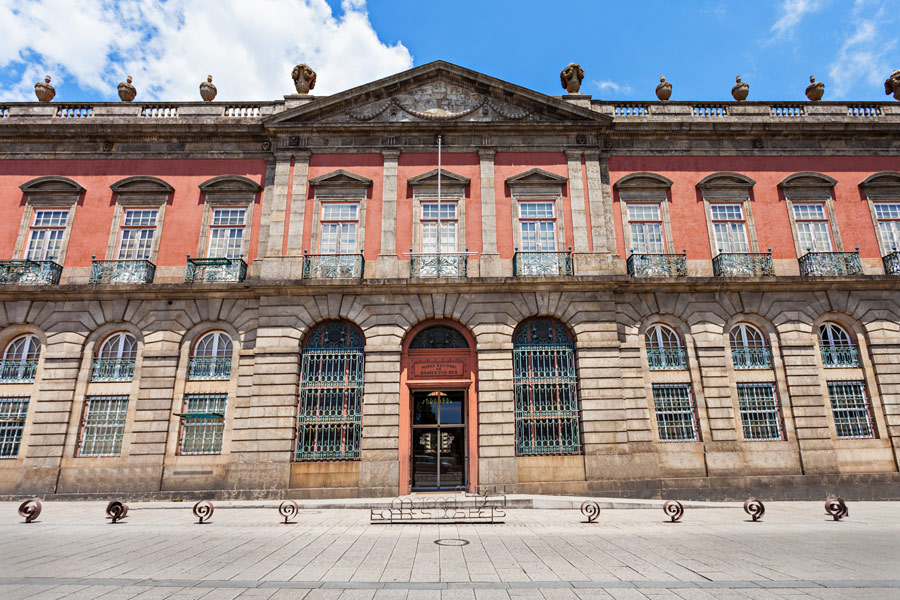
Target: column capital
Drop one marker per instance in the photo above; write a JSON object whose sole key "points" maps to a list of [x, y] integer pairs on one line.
{"points": [[591, 155], [390, 154], [486, 153], [574, 154], [303, 155]]}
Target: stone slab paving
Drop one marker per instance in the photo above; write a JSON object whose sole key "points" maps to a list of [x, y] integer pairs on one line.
{"points": [[160, 553]]}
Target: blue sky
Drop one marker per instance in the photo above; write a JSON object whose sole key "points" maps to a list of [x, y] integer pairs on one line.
{"points": [[170, 46]]}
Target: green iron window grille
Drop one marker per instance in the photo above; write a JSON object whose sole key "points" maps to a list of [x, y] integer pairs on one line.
{"points": [[830, 264], [329, 413], [749, 357], [121, 271], [202, 424], [12, 423], [32, 272], [542, 264], [891, 263], [546, 394], [760, 412], [214, 270], [112, 370], [743, 264], [438, 264], [204, 368], [102, 426], [665, 351], [851, 409], [438, 336], [676, 415], [835, 357], [657, 265], [333, 266], [17, 371]]}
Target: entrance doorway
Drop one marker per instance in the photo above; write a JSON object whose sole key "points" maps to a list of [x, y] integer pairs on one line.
{"points": [[439, 439]]}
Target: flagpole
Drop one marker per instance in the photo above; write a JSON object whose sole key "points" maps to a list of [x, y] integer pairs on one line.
{"points": [[439, 196]]}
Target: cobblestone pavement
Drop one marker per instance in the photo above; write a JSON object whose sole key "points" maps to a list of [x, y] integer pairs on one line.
{"points": [[158, 552]]}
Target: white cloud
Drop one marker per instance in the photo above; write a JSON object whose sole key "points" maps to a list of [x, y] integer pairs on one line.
{"points": [[790, 15], [863, 56], [170, 47], [613, 87]]}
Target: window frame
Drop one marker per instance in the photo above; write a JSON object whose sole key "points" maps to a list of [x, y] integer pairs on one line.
{"points": [[868, 407], [826, 219], [456, 203], [191, 423], [213, 228], [692, 409], [662, 209], [12, 425], [119, 436], [718, 248], [776, 409], [322, 222], [520, 221], [883, 246]]}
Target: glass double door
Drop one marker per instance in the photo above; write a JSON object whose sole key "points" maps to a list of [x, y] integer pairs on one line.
{"points": [[439, 439]]}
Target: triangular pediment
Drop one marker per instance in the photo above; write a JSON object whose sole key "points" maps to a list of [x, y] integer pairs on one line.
{"points": [[536, 177], [438, 92], [340, 178], [448, 178]]}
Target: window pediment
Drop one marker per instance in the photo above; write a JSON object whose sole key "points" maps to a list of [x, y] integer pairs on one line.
{"points": [[52, 186], [340, 178], [807, 180], [643, 181], [884, 179], [229, 184], [536, 177], [726, 181], [142, 186], [449, 179]]}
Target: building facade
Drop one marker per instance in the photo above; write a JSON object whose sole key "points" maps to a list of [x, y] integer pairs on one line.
{"points": [[307, 298]]}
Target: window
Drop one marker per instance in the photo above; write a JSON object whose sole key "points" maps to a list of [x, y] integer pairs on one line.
{"points": [[537, 221], [664, 349], [338, 227], [837, 347], [12, 422], [812, 227], [45, 237], [138, 230], [760, 412], [115, 359], [211, 358], [202, 424], [448, 228], [851, 409], [545, 384], [748, 348], [676, 416], [646, 228], [102, 426], [226, 233], [729, 228], [20, 360], [888, 216], [329, 413]]}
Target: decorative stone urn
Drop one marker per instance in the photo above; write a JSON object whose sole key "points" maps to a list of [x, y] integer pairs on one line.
{"points": [[571, 78], [741, 89], [892, 85], [44, 91], [127, 92], [815, 90], [207, 90], [304, 78], [664, 89]]}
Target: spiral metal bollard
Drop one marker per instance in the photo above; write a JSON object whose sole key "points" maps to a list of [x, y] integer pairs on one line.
{"points": [[203, 510], [116, 511], [837, 508], [674, 510], [591, 510], [755, 508], [30, 510], [288, 510]]}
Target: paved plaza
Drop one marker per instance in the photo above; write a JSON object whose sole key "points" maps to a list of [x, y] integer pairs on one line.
{"points": [[159, 552]]}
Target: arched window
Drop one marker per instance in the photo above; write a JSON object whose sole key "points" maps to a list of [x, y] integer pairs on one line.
{"points": [[546, 395], [837, 347], [115, 358], [748, 348], [329, 413], [664, 349], [211, 358], [20, 360]]}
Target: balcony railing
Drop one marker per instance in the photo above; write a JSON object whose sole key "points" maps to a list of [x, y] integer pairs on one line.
{"points": [[743, 264], [200, 369], [122, 271], [892, 263], [112, 369], [830, 264], [537, 264], [333, 266], [666, 359], [836, 357], [657, 265], [32, 272], [428, 264], [751, 358], [17, 371], [214, 270]]}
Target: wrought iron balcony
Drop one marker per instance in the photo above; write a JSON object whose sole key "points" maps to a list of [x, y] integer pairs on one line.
{"points": [[17, 371], [214, 270], [751, 357], [830, 264], [538, 264], [837, 357], [743, 264], [433, 264], [112, 369], [657, 265], [892, 263], [200, 369], [666, 359], [31, 272], [122, 271], [333, 266]]}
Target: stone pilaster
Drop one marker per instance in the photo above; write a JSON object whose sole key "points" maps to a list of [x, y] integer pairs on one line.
{"points": [[490, 259], [298, 204], [379, 473], [576, 198], [388, 265], [274, 204], [600, 199], [497, 463]]}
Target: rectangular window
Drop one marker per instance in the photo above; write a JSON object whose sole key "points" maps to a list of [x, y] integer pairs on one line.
{"points": [[46, 235], [729, 228], [812, 228], [851, 409], [676, 416], [646, 228], [136, 237], [538, 226], [102, 426], [12, 423], [202, 424], [888, 216], [760, 412], [338, 228], [226, 233], [449, 227]]}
